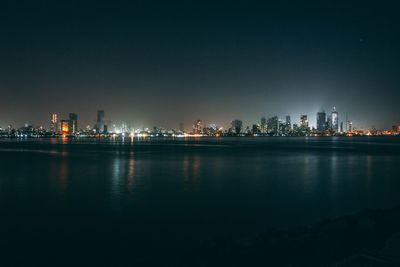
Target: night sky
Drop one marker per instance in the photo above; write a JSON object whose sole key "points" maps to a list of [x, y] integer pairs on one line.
{"points": [[162, 64]]}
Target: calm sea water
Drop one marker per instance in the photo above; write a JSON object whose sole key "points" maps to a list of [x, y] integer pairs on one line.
{"points": [[124, 203]]}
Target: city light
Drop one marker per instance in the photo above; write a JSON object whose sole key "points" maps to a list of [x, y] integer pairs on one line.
{"points": [[326, 125]]}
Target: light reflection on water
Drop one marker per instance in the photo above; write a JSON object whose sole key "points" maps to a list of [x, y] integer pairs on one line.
{"points": [[116, 179], [191, 172], [131, 181], [212, 184]]}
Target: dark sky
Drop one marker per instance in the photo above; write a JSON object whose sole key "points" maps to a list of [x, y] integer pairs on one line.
{"points": [[161, 64]]}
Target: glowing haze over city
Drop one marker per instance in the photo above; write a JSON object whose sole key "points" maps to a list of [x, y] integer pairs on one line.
{"points": [[164, 65]]}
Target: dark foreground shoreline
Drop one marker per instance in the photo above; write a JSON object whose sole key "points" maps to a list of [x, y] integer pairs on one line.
{"points": [[367, 238]]}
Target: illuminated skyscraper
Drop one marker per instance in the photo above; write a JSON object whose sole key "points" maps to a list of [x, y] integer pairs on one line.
{"points": [[73, 123], [288, 122], [53, 123], [64, 127], [304, 122], [100, 121], [263, 124], [321, 121], [349, 127], [237, 126], [255, 129], [198, 127], [273, 125], [335, 120]]}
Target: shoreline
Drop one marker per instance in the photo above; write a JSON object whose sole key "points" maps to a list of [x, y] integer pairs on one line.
{"points": [[366, 238]]}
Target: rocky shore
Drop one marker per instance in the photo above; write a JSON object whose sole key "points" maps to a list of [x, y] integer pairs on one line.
{"points": [[368, 238]]}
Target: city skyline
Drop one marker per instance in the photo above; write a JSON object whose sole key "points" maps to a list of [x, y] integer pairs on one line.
{"points": [[274, 125], [92, 120], [100, 121]]}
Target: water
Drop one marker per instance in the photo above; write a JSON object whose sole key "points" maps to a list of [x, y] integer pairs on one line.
{"points": [[158, 202]]}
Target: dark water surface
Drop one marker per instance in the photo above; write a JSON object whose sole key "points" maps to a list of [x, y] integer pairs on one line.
{"points": [[158, 202]]}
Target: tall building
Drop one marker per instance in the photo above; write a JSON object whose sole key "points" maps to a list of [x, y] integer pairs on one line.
{"points": [[198, 127], [263, 125], [53, 122], [335, 120], [237, 126], [349, 126], [329, 121], [288, 122], [100, 121], [321, 121], [304, 122], [273, 125], [64, 125], [73, 123], [295, 127], [255, 129]]}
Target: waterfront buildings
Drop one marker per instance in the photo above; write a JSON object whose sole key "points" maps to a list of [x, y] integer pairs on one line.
{"points": [[53, 123], [64, 126], [326, 125], [100, 124], [304, 122], [73, 123], [198, 127], [273, 125], [263, 125], [335, 120], [349, 126], [236, 126], [321, 121], [288, 123], [255, 129]]}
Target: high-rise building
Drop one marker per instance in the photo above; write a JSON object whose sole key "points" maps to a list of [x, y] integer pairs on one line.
{"points": [[73, 123], [349, 126], [263, 125], [273, 125], [198, 127], [53, 122], [329, 121], [341, 126], [304, 122], [321, 121], [237, 126], [255, 129], [396, 128], [64, 125], [100, 121], [288, 123], [335, 120]]}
